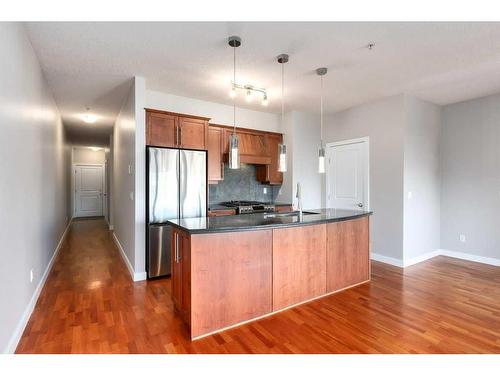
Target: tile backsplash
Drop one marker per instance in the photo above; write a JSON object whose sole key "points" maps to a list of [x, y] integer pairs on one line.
{"points": [[241, 184]]}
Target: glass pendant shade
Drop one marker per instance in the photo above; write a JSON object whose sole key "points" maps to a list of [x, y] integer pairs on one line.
{"points": [[321, 160], [234, 152], [282, 157]]}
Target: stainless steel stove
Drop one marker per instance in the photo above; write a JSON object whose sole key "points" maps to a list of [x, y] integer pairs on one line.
{"points": [[249, 207]]}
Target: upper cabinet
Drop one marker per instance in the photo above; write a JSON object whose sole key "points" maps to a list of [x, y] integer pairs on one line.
{"points": [[215, 161], [167, 129], [268, 174]]}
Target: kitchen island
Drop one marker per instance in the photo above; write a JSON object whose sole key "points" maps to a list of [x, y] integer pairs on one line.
{"points": [[232, 269]]}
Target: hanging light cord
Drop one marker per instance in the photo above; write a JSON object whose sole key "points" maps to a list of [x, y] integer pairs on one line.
{"points": [[321, 113], [282, 94], [234, 82]]}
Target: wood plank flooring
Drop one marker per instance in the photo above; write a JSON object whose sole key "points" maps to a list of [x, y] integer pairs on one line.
{"points": [[90, 305]]}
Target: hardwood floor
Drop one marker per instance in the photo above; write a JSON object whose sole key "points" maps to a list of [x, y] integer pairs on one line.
{"points": [[90, 305]]}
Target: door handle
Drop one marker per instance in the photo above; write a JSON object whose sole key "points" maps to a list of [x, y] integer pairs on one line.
{"points": [[360, 205]]}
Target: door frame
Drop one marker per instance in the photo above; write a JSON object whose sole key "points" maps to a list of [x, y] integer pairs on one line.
{"points": [[73, 183], [366, 142]]}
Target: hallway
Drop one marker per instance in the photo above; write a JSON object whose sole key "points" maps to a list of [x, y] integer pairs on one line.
{"points": [[90, 305]]}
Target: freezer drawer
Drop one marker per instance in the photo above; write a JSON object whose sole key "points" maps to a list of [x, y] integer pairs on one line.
{"points": [[159, 251]]}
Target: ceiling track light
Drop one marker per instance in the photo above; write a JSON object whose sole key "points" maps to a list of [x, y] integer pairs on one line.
{"points": [[250, 90]]}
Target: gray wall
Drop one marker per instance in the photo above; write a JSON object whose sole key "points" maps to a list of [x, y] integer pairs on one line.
{"points": [[383, 121], [471, 177], [422, 178], [302, 138], [123, 182], [34, 194], [86, 155]]}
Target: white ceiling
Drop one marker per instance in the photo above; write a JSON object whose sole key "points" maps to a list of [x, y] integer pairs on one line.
{"points": [[90, 64]]}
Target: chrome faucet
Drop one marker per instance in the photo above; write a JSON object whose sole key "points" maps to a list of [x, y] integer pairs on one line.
{"points": [[298, 195]]}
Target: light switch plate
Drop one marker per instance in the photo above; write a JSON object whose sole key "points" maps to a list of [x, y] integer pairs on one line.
{"points": [[462, 238]]}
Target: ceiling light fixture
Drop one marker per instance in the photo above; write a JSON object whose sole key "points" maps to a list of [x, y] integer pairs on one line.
{"points": [[88, 117], [282, 59], [250, 92], [321, 152], [234, 152]]}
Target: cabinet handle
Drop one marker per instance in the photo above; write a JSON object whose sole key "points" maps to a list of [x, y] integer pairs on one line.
{"points": [[177, 135], [176, 256], [180, 136]]}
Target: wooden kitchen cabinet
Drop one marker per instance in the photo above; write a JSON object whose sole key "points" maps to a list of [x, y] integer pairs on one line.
{"points": [[193, 133], [161, 129], [268, 174], [181, 273], [347, 253], [169, 129], [215, 213], [299, 264], [231, 279], [215, 161]]}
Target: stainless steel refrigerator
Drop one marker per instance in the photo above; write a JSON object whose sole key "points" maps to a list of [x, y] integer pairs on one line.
{"points": [[177, 188]]}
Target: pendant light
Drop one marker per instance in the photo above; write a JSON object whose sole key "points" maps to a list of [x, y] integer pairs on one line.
{"points": [[234, 143], [321, 152], [282, 59]]}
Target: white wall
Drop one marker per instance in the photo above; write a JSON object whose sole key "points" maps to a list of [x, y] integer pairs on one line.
{"points": [[384, 122], [33, 199], [219, 113], [302, 137], [471, 177], [87, 156], [422, 178], [123, 181]]}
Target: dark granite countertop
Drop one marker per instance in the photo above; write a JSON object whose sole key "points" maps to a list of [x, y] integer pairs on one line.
{"points": [[258, 221]]}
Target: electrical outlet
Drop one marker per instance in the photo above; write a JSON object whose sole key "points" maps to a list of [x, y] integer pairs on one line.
{"points": [[31, 275], [265, 190], [279, 191], [410, 195], [131, 195], [462, 238]]}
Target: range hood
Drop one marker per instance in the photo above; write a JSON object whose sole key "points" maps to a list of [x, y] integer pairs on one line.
{"points": [[251, 159]]}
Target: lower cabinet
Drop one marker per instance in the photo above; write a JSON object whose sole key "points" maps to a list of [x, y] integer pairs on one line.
{"points": [[222, 279], [181, 273], [299, 264], [347, 254], [231, 279]]}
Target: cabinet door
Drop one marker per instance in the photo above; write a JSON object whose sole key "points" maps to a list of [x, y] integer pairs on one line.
{"points": [[348, 256], [185, 255], [269, 174], [215, 163], [299, 264], [161, 129], [193, 133]]}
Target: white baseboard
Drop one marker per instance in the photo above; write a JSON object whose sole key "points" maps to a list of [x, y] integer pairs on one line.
{"points": [[470, 257], [421, 258], [384, 259], [21, 325], [136, 276]]}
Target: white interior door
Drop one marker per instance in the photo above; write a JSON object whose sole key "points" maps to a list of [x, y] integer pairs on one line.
{"points": [[347, 175], [89, 183]]}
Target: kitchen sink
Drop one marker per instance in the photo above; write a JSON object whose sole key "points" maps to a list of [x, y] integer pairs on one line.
{"points": [[292, 213]]}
